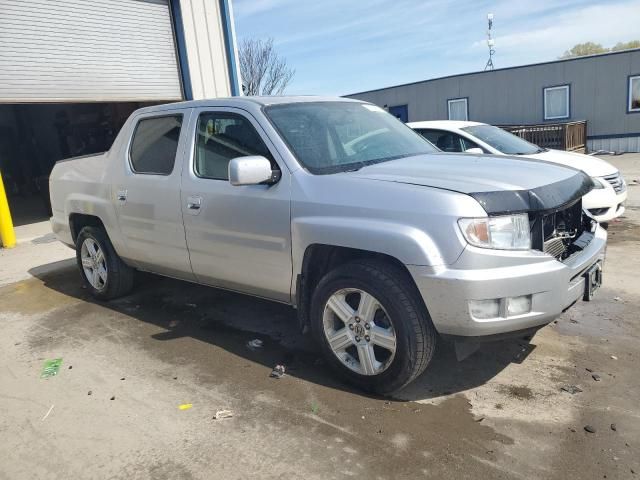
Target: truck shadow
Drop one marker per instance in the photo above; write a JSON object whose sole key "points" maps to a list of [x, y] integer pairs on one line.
{"points": [[229, 321]]}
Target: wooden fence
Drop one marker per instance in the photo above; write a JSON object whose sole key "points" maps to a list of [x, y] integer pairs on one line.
{"points": [[570, 136]]}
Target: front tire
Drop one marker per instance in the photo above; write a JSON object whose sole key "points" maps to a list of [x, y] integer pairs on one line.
{"points": [[103, 271], [372, 326]]}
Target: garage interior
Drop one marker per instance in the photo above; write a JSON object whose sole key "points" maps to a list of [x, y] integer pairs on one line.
{"points": [[33, 137], [71, 73]]}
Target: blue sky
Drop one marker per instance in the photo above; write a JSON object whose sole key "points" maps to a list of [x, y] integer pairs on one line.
{"points": [[340, 47]]}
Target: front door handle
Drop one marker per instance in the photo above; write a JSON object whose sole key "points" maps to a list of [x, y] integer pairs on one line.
{"points": [[121, 195]]}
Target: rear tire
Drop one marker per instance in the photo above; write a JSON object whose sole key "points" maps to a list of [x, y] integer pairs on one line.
{"points": [[103, 271], [380, 352]]}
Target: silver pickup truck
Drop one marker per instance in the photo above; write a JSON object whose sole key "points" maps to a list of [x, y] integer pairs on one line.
{"points": [[383, 244]]}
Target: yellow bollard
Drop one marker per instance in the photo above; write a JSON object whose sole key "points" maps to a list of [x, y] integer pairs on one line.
{"points": [[7, 235]]}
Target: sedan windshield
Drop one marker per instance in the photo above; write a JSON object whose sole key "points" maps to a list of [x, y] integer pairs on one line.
{"points": [[502, 140], [329, 137]]}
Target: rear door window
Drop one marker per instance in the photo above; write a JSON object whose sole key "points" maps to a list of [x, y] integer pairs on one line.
{"points": [[155, 144]]}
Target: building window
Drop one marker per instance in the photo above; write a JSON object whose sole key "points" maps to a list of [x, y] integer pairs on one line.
{"points": [[556, 102], [458, 109], [634, 94]]}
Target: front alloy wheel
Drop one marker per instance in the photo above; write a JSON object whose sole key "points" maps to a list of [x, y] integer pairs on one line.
{"points": [[359, 331], [372, 325]]}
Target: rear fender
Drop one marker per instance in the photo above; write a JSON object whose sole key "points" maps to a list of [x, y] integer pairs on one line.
{"points": [[99, 206]]}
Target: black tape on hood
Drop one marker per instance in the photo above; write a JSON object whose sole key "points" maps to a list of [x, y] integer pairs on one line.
{"points": [[555, 196]]}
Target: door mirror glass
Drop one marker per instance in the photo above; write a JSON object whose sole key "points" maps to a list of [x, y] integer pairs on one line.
{"points": [[252, 170], [474, 150]]}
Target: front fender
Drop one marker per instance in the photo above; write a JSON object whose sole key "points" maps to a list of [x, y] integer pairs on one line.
{"points": [[409, 245]]}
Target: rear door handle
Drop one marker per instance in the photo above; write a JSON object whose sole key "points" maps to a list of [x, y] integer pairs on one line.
{"points": [[121, 195], [194, 204]]}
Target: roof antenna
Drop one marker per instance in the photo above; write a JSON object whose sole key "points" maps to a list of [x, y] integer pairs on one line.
{"points": [[490, 43]]}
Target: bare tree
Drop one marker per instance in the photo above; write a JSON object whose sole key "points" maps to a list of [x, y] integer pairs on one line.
{"points": [[263, 71]]}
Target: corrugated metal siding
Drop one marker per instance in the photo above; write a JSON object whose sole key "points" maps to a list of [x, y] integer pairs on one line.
{"points": [[80, 50], [625, 144], [599, 87], [206, 56]]}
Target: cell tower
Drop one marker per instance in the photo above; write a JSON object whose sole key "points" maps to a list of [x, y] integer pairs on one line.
{"points": [[490, 43]]}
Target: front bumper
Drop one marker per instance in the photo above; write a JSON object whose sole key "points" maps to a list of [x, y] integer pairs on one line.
{"points": [[604, 204], [481, 274]]}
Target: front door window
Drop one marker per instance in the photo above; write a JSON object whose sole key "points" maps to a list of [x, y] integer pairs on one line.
{"points": [[221, 137]]}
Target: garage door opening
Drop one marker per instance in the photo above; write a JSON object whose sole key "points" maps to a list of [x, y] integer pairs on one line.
{"points": [[33, 137]]}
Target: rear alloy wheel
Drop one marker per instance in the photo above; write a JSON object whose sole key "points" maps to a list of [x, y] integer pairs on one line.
{"points": [[94, 264], [103, 271], [372, 325]]}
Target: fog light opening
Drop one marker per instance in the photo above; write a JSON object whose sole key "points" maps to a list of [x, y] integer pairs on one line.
{"points": [[484, 309], [518, 305]]}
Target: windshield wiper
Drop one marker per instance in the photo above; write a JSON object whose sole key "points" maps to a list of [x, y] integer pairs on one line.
{"points": [[354, 167], [539, 150]]}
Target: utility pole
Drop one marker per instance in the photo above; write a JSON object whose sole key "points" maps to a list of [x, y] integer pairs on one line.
{"points": [[490, 43]]}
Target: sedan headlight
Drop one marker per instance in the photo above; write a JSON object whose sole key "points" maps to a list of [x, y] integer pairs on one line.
{"points": [[508, 232], [597, 183]]}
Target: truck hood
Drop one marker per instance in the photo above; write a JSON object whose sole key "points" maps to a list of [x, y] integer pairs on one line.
{"points": [[592, 166], [501, 184]]}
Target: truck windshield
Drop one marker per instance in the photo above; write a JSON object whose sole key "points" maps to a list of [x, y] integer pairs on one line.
{"points": [[328, 137], [502, 140]]}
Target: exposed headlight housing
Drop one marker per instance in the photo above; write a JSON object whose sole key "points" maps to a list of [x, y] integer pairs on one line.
{"points": [[506, 232]]}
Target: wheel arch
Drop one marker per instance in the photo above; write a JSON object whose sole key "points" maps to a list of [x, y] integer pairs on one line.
{"points": [[406, 243], [77, 221], [318, 259]]}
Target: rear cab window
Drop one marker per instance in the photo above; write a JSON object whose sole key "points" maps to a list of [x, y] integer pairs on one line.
{"points": [[154, 145]]}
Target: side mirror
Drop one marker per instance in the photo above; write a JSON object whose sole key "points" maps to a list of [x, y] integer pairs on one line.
{"points": [[252, 170], [474, 150]]}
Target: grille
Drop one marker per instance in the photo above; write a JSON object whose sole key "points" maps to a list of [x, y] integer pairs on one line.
{"points": [[561, 233], [616, 181], [555, 246]]}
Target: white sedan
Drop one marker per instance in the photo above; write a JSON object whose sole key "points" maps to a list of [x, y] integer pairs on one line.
{"points": [[605, 202]]}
